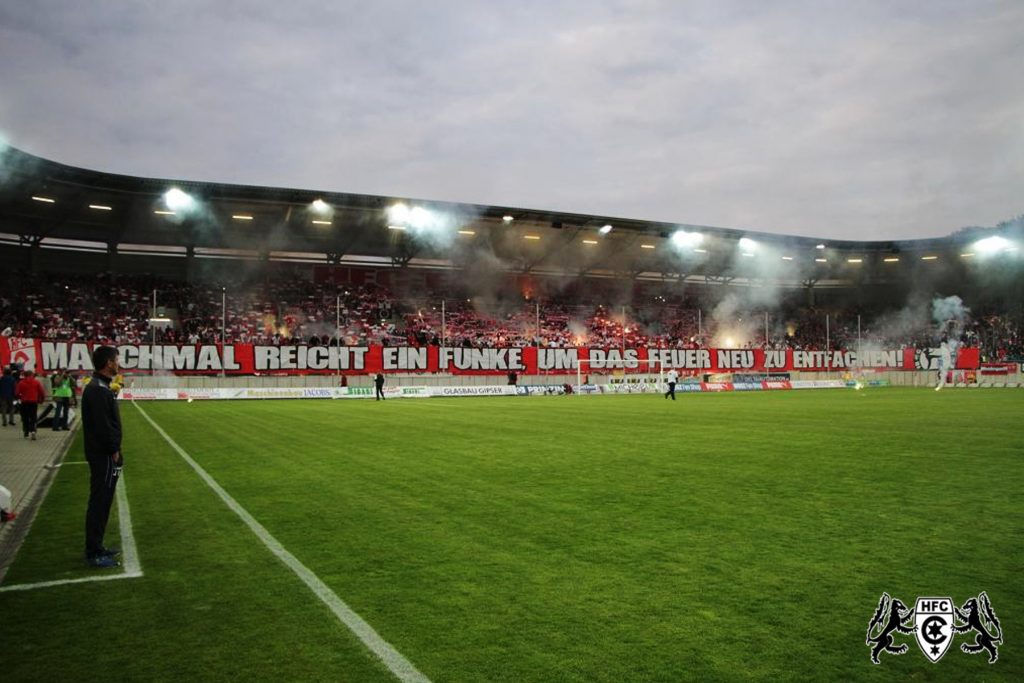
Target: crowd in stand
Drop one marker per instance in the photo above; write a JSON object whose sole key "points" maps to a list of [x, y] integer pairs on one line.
{"points": [[119, 309]]}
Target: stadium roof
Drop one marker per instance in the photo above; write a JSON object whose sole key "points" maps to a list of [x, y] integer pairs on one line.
{"points": [[46, 203]]}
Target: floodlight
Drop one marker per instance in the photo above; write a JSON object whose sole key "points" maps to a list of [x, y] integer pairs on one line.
{"points": [[991, 245], [320, 206], [176, 200], [748, 245], [398, 214], [605, 230], [682, 238], [420, 218]]}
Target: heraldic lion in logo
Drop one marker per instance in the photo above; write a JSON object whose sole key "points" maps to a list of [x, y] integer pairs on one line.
{"points": [[891, 616], [978, 617]]}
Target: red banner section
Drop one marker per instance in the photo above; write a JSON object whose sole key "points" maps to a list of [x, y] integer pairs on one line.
{"points": [[249, 359]]}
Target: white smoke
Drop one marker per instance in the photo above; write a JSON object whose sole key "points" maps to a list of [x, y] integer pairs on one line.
{"points": [[950, 315]]}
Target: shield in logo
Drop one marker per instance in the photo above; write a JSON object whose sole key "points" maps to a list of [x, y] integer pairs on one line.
{"points": [[933, 626]]}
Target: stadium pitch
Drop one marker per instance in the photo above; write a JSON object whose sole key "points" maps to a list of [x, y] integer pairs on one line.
{"points": [[630, 538]]}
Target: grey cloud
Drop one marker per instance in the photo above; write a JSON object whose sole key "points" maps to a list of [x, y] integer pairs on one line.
{"points": [[832, 119]]}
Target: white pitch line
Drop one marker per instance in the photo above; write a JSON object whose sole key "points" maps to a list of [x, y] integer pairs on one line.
{"points": [[129, 553], [67, 582], [401, 667]]}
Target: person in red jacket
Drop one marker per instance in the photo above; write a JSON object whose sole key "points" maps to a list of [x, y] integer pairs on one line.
{"points": [[31, 393]]}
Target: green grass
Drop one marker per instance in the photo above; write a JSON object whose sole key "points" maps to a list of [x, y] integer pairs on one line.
{"points": [[720, 537]]}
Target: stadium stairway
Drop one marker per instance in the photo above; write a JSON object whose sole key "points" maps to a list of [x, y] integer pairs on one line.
{"points": [[26, 469]]}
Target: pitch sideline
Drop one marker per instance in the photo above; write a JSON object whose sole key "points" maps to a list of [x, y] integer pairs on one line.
{"points": [[401, 667], [129, 553]]}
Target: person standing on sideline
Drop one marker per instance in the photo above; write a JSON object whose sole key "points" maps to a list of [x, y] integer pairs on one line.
{"points": [[31, 393], [101, 424], [672, 376], [7, 385], [378, 382], [62, 393]]}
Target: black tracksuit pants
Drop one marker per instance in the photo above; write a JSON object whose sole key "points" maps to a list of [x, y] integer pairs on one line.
{"points": [[103, 476], [671, 390], [380, 392], [29, 411]]}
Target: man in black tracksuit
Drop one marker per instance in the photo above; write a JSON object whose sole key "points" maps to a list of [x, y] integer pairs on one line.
{"points": [[378, 382], [101, 423]]}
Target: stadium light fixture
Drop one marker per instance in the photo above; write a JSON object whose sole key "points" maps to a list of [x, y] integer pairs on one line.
{"points": [[531, 237], [323, 222], [968, 254], [176, 200], [45, 200], [420, 218], [241, 217], [467, 232], [747, 245], [821, 260], [682, 238], [929, 258], [855, 260], [700, 251], [647, 246], [589, 241], [787, 258], [892, 259], [398, 215], [605, 229], [163, 212], [320, 206], [397, 227], [820, 246], [101, 207], [507, 219], [989, 245]]}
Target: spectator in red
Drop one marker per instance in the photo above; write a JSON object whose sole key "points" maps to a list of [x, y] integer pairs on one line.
{"points": [[31, 393]]}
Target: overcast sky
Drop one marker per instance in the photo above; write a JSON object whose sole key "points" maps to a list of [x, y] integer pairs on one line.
{"points": [[852, 119]]}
